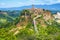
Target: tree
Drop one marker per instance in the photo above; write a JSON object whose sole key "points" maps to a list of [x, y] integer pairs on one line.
{"points": [[5, 35]]}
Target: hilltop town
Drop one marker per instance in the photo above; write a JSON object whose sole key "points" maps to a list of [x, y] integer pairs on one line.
{"points": [[30, 24], [29, 14]]}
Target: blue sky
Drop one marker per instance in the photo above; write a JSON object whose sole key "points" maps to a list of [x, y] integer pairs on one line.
{"points": [[19, 3]]}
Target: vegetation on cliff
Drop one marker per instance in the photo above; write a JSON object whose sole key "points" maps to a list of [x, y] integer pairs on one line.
{"points": [[22, 27]]}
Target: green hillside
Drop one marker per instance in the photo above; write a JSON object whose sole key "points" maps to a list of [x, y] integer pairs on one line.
{"points": [[32, 24]]}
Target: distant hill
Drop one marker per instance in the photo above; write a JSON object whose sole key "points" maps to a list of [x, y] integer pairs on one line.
{"points": [[48, 7]]}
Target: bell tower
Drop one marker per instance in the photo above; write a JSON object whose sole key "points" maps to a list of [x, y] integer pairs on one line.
{"points": [[33, 7]]}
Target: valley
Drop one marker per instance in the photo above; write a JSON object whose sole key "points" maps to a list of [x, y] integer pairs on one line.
{"points": [[29, 24]]}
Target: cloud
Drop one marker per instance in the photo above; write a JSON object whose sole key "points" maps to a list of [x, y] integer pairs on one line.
{"points": [[48, 2], [38, 2], [19, 3], [2, 4]]}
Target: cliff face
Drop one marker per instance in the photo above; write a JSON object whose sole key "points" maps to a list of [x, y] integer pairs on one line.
{"points": [[33, 12]]}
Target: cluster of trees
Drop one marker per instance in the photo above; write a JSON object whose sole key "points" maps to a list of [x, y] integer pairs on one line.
{"points": [[50, 32], [5, 35]]}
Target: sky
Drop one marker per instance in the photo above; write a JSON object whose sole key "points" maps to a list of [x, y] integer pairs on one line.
{"points": [[19, 3]]}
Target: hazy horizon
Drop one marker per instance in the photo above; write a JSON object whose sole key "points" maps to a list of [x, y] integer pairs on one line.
{"points": [[19, 3]]}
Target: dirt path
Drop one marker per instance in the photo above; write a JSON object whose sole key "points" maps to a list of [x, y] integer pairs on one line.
{"points": [[16, 30]]}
